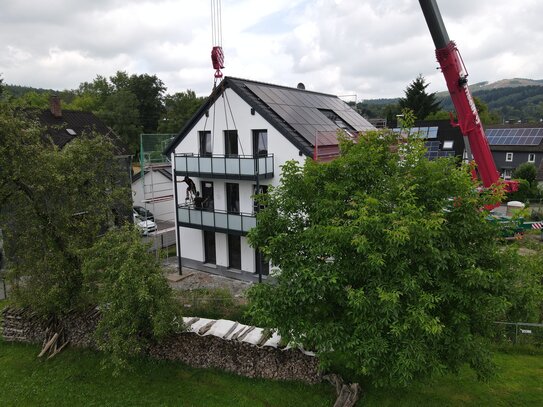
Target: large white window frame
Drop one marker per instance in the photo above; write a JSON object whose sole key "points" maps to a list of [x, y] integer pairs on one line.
{"points": [[508, 157]]}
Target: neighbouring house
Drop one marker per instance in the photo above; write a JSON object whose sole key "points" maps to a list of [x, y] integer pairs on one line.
{"points": [[232, 147], [153, 191], [513, 145], [63, 126], [440, 138]]}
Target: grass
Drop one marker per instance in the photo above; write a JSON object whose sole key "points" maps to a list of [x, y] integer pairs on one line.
{"points": [[75, 378], [518, 382]]}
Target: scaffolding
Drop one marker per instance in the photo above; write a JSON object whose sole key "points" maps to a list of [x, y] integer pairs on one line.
{"points": [[156, 188]]}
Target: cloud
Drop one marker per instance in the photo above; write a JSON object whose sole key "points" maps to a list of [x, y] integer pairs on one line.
{"points": [[372, 49]]}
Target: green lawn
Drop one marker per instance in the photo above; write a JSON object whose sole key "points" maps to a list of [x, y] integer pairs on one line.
{"points": [[518, 382], [75, 378]]}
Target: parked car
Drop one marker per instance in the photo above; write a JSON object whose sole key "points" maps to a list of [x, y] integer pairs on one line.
{"points": [[145, 226], [144, 213]]}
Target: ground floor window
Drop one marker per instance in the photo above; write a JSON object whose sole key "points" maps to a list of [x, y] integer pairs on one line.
{"points": [[234, 252], [210, 255]]}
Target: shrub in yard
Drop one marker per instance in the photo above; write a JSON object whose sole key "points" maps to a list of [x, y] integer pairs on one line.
{"points": [[137, 304]]}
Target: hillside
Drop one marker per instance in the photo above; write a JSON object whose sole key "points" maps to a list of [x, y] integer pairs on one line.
{"points": [[509, 99]]}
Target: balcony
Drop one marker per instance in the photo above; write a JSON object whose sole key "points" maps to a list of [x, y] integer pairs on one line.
{"points": [[242, 167], [216, 220]]}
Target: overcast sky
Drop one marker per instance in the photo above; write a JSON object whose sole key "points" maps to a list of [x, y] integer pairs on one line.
{"points": [[370, 49]]}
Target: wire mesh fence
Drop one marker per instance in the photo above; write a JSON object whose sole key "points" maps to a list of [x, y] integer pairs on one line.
{"points": [[520, 333]]}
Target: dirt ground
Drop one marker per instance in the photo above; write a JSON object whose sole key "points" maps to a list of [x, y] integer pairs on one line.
{"points": [[193, 279]]}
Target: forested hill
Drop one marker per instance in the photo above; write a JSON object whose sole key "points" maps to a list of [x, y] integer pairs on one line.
{"points": [[509, 99]]}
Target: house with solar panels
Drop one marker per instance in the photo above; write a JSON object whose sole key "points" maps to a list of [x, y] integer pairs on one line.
{"points": [[512, 146], [441, 139], [233, 147]]}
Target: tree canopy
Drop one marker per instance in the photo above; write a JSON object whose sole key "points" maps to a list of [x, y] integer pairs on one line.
{"points": [[386, 261], [418, 100], [53, 203]]}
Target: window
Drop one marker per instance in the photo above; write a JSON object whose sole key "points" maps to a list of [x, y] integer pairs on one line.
{"points": [[263, 189], [509, 157], [231, 143], [260, 143], [232, 198], [531, 158], [205, 144], [506, 174], [448, 145], [209, 248], [234, 252]]}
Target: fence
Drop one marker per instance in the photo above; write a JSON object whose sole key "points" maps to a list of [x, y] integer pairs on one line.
{"points": [[518, 333]]}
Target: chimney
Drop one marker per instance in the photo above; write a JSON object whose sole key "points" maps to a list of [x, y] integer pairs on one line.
{"points": [[56, 111]]}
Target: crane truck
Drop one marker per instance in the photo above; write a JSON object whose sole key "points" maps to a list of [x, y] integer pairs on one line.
{"points": [[456, 77]]}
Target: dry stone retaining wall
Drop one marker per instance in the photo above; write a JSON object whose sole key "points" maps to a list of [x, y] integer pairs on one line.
{"points": [[202, 347]]}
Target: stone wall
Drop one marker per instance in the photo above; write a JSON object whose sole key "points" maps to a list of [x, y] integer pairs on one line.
{"points": [[207, 351]]}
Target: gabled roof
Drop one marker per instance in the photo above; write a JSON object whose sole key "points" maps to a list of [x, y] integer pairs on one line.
{"points": [[72, 124], [298, 114]]}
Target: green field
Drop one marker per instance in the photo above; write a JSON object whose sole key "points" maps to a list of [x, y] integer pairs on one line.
{"points": [[75, 378]]}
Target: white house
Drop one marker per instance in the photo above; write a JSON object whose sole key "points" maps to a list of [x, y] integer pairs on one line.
{"points": [[152, 189], [238, 141]]}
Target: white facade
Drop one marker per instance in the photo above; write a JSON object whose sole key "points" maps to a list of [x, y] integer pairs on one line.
{"points": [[154, 192], [218, 120]]}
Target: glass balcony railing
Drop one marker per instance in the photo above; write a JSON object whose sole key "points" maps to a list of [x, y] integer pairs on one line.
{"points": [[226, 167], [216, 220]]}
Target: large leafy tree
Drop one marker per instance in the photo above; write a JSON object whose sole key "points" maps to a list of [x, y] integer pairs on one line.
{"points": [[120, 110], [386, 262], [418, 100], [149, 91], [179, 107], [53, 204]]}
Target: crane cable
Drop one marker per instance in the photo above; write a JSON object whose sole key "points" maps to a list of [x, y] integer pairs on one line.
{"points": [[216, 23], [217, 54]]}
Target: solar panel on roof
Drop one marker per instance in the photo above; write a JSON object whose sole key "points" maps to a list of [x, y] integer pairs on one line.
{"points": [[300, 110], [515, 137]]}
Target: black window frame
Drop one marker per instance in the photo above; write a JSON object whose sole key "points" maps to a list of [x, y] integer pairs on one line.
{"points": [[205, 142]]}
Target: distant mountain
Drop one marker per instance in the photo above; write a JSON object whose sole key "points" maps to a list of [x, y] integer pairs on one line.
{"points": [[503, 83], [508, 100]]}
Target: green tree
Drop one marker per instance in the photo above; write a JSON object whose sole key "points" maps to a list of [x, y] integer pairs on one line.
{"points": [[137, 304], [418, 100], [179, 107], [149, 91], [486, 116], [379, 266], [527, 171], [53, 204], [120, 111]]}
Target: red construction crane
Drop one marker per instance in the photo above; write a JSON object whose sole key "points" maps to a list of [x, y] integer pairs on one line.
{"points": [[456, 75], [217, 55]]}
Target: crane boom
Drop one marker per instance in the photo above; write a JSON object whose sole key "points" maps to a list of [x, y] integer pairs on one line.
{"points": [[455, 73]]}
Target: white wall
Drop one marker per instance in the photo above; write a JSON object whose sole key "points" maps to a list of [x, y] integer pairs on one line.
{"points": [[156, 185], [282, 149]]}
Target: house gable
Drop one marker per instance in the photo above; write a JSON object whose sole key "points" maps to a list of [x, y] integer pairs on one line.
{"points": [[296, 113]]}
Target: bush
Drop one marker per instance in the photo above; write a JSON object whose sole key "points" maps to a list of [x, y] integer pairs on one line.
{"points": [[137, 304]]}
